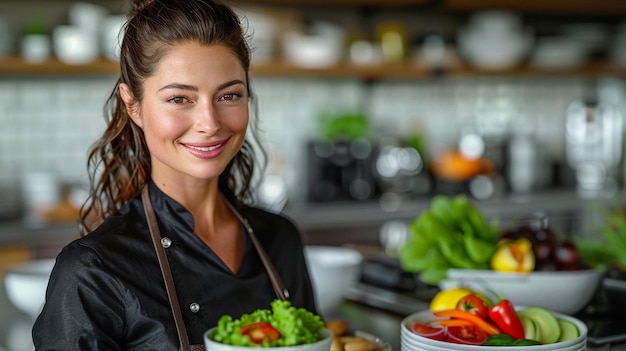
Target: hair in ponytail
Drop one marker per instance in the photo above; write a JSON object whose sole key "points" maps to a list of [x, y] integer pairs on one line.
{"points": [[119, 162], [136, 6]]}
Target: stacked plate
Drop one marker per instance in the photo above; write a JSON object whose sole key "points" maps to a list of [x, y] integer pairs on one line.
{"points": [[410, 341]]}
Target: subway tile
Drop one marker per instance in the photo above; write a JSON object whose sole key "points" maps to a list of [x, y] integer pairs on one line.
{"points": [[66, 114]]}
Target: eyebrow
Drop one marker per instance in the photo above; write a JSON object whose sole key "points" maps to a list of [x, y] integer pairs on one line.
{"points": [[194, 88]]}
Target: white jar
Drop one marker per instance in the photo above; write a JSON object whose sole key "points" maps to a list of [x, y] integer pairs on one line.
{"points": [[35, 48]]}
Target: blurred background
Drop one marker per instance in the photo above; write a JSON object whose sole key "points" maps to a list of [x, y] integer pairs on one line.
{"points": [[367, 108]]}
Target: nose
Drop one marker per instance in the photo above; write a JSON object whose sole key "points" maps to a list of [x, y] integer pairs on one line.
{"points": [[207, 120]]}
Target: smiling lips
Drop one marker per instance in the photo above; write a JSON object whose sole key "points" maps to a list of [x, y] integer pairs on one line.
{"points": [[206, 151]]}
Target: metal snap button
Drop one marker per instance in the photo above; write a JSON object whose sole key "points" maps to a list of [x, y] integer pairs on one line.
{"points": [[166, 242], [194, 307]]}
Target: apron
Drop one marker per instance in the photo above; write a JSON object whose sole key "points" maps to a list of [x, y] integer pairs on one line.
{"points": [[155, 233]]}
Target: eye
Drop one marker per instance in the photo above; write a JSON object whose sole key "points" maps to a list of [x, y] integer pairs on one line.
{"points": [[230, 97], [178, 100]]}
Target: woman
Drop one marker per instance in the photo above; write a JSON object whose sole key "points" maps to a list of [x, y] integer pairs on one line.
{"points": [[177, 126]]}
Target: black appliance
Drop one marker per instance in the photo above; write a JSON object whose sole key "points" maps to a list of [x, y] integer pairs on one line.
{"points": [[340, 170]]}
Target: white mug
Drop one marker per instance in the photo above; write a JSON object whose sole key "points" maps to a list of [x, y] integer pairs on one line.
{"points": [[72, 45]]}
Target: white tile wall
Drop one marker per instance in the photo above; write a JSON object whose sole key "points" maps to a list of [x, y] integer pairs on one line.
{"points": [[48, 124]]}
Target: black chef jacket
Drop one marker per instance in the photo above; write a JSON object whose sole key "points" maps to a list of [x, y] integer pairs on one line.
{"points": [[106, 291]]}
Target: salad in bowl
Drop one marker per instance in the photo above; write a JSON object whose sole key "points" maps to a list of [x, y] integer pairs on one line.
{"points": [[283, 326]]}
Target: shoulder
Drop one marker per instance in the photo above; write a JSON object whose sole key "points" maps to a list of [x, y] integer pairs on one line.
{"points": [[78, 272], [120, 229], [262, 221], [119, 238]]}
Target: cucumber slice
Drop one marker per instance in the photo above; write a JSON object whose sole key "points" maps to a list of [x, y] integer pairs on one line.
{"points": [[530, 328], [569, 330], [547, 323]]}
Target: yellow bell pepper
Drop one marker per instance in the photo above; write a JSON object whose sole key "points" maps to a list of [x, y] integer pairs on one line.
{"points": [[513, 256]]}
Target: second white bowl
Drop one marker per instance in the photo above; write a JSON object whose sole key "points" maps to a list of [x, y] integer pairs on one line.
{"points": [[544, 289]]}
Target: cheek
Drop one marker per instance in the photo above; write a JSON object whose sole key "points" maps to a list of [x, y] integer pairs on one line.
{"points": [[238, 122], [160, 125]]}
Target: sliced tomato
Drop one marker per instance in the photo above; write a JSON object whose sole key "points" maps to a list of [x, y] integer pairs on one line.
{"points": [[259, 332], [473, 304], [429, 331], [469, 335]]}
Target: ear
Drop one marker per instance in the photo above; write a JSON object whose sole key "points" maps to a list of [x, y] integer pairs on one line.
{"points": [[132, 105]]}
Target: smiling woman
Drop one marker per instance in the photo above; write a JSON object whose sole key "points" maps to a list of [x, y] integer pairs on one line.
{"points": [[172, 241], [193, 115]]}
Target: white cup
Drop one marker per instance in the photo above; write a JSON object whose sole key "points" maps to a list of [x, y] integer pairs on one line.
{"points": [[74, 46], [35, 48]]}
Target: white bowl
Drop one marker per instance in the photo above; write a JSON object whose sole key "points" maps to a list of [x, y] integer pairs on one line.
{"points": [[311, 51], [560, 291], [322, 345], [495, 40], [415, 342], [494, 51], [26, 285], [333, 271], [74, 46]]}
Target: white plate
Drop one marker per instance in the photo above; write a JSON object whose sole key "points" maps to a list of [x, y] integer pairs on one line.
{"points": [[415, 341]]}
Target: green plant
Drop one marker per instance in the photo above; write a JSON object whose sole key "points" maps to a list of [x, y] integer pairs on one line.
{"points": [[347, 126], [35, 27]]}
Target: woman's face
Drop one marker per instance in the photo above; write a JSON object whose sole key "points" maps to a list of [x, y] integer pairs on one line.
{"points": [[194, 113]]}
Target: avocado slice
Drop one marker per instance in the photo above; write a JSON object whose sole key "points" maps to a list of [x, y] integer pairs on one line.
{"points": [[569, 330], [547, 323], [530, 328]]}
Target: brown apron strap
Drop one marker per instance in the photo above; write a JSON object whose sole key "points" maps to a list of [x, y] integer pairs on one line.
{"points": [[165, 269], [155, 233], [277, 283]]}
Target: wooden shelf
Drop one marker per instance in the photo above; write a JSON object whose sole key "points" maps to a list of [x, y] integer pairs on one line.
{"points": [[15, 67], [605, 8]]}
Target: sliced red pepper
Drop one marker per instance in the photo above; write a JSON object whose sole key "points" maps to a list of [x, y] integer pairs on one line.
{"points": [[503, 314], [479, 322], [258, 332]]}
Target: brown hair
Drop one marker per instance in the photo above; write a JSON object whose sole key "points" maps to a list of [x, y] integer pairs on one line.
{"points": [[118, 162]]}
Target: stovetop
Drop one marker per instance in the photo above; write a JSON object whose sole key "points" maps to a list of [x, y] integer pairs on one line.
{"points": [[384, 285]]}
